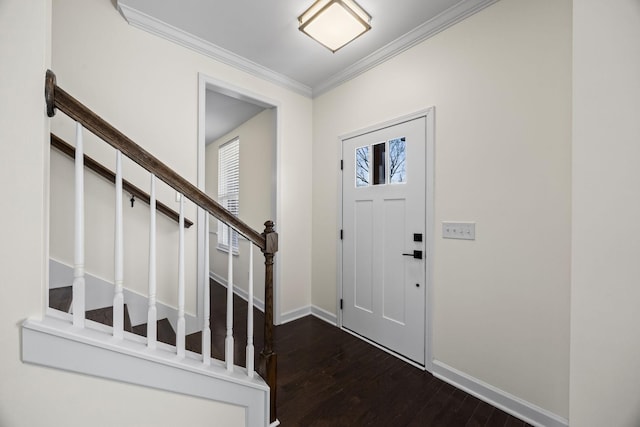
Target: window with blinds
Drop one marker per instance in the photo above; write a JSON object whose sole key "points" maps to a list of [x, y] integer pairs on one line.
{"points": [[229, 189]]}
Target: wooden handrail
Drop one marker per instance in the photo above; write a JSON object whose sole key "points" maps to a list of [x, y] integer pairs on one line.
{"points": [[267, 241], [67, 149], [56, 97]]}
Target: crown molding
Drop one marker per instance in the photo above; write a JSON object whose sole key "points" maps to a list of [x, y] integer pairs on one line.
{"points": [[441, 22], [160, 28], [446, 19]]}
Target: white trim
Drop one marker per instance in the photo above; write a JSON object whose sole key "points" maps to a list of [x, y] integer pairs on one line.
{"points": [[295, 314], [507, 402], [387, 123], [429, 115], [207, 82], [55, 343], [201, 181], [439, 23], [160, 28], [339, 254], [430, 231], [257, 302], [308, 310], [446, 19], [325, 315]]}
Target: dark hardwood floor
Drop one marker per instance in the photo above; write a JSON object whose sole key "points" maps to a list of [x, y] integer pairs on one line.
{"points": [[329, 378]]}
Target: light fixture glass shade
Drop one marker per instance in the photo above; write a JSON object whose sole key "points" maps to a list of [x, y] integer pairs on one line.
{"points": [[334, 23]]}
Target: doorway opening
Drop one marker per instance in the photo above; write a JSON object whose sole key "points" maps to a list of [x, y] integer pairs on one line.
{"points": [[229, 114]]}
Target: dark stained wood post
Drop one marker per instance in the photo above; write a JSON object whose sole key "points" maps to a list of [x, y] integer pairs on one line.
{"points": [[268, 358], [49, 92]]}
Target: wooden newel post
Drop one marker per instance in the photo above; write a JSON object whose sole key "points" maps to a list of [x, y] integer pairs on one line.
{"points": [[268, 358]]}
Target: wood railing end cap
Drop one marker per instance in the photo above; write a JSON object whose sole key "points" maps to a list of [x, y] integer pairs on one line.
{"points": [[49, 93]]}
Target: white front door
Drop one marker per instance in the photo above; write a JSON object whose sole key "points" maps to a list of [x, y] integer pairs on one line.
{"points": [[384, 241]]}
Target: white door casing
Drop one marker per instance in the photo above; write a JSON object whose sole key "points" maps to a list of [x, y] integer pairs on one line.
{"points": [[205, 83], [384, 291]]}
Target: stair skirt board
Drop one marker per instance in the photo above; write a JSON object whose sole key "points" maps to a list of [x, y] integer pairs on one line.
{"points": [[99, 294], [54, 342]]}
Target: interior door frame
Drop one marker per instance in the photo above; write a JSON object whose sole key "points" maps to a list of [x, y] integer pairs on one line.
{"points": [[206, 82], [429, 115]]}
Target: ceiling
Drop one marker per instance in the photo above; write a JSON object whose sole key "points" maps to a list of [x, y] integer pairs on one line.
{"points": [[262, 36], [224, 113]]}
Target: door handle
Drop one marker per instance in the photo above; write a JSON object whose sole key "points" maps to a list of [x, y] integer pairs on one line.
{"points": [[415, 254]]}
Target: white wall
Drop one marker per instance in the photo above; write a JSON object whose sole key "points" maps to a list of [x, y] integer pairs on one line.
{"points": [[501, 85], [148, 88], [100, 219], [257, 149], [31, 395], [605, 338]]}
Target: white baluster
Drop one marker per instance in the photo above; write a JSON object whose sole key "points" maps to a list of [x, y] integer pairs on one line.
{"points": [[206, 328], [78, 263], [250, 367], [152, 315], [180, 333], [118, 298], [229, 339]]}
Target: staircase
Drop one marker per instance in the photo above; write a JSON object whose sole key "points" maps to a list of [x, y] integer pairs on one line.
{"points": [[216, 362], [61, 298]]}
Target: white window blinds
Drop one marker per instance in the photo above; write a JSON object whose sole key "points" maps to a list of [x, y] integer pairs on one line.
{"points": [[229, 189]]}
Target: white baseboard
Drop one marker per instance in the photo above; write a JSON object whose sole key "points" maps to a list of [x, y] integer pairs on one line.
{"points": [[287, 317], [100, 294], [258, 303], [509, 403], [313, 310], [296, 314], [325, 315]]}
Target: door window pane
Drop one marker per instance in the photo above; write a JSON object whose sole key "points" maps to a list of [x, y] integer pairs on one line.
{"points": [[379, 157], [362, 166], [397, 160]]}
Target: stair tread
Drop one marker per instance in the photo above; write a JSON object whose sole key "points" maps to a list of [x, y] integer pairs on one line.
{"points": [[60, 298], [104, 315], [193, 342], [165, 331], [166, 334], [140, 330]]}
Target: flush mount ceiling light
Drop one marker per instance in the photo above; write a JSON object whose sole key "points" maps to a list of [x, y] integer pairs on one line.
{"points": [[334, 23]]}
